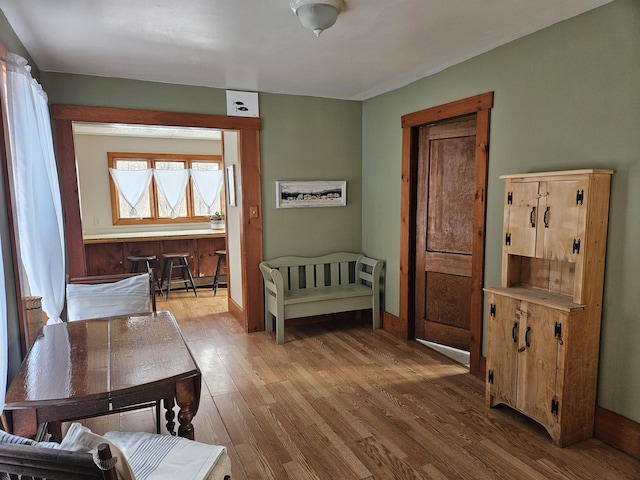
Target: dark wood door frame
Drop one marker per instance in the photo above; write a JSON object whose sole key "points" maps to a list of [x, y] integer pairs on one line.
{"points": [[248, 177], [480, 105]]}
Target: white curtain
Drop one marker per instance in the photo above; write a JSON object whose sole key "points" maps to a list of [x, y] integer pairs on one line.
{"points": [[172, 185], [132, 185], [3, 334], [208, 184], [35, 180]]}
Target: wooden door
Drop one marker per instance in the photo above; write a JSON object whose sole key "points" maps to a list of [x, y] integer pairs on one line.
{"points": [[444, 232], [537, 361], [502, 345]]}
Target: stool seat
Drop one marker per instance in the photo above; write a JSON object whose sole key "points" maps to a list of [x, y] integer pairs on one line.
{"points": [[182, 265], [134, 260], [216, 280]]}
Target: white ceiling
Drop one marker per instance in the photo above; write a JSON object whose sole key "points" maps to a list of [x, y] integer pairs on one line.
{"points": [[259, 45]]}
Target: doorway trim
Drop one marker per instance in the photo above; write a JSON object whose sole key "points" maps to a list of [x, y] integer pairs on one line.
{"points": [[481, 106], [249, 183]]}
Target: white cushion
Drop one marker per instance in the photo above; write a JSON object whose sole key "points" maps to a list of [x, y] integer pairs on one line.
{"points": [[16, 440], [131, 295], [80, 439], [164, 457]]}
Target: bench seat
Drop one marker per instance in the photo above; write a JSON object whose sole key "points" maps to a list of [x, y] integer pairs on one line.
{"points": [[298, 287]]}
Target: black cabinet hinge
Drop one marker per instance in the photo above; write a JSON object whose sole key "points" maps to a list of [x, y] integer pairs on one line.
{"points": [[492, 310], [576, 245], [557, 331], [490, 377], [509, 198], [579, 197], [555, 407], [507, 239]]}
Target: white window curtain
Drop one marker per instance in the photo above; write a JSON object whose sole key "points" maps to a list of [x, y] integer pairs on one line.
{"points": [[208, 184], [37, 191], [3, 334], [172, 185], [132, 185]]}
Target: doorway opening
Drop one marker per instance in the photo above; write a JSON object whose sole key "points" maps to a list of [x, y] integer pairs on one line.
{"points": [[248, 309], [133, 218]]}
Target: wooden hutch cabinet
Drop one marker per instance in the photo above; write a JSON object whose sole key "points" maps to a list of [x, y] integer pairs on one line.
{"points": [[544, 320]]}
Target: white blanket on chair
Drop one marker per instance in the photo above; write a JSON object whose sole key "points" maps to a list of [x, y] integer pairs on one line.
{"points": [[160, 457]]}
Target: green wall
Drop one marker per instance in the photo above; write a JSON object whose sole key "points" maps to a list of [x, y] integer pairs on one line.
{"points": [[566, 97]]}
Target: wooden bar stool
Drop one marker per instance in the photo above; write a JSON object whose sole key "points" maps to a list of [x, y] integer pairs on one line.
{"points": [[221, 256], [182, 265], [135, 260], [147, 259]]}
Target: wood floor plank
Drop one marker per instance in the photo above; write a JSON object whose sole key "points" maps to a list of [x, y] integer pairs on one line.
{"points": [[340, 401]]}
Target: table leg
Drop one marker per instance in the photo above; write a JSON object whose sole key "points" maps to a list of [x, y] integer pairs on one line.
{"points": [[169, 403], [55, 430], [188, 399]]}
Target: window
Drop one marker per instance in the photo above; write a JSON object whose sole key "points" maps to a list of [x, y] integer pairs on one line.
{"points": [[153, 208]]}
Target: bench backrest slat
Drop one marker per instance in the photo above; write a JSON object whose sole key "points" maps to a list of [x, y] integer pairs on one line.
{"points": [[335, 273], [309, 276], [320, 273], [294, 278], [344, 273]]}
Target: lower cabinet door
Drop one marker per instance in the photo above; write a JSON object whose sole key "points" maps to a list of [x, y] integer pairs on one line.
{"points": [[537, 362], [502, 350]]}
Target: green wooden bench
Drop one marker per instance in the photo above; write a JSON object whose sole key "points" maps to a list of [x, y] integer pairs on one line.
{"points": [[297, 287]]}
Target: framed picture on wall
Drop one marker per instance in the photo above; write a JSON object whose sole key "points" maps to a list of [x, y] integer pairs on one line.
{"points": [[321, 193], [231, 185]]}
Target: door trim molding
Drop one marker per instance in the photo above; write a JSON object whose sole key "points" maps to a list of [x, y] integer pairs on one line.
{"points": [[481, 106], [249, 183]]}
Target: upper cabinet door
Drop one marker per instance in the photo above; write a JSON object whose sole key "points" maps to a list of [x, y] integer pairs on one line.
{"points": [[546, 219], [562, 213], [521, 218]]}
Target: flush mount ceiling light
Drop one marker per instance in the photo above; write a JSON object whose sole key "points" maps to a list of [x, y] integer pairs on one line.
{"points": [[317, 15]]}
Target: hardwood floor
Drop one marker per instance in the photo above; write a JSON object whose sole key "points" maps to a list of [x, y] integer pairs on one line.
{"points": [[340, 401]]}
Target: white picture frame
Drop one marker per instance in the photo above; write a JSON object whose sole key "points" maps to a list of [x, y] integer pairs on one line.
{"points": [[315, 193]]}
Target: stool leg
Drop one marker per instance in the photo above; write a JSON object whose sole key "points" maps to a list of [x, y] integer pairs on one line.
{"points": [[158, 285], [217, 277], [133, 267], [183, 272], [186, 266], [170, 274], [164, 274]]}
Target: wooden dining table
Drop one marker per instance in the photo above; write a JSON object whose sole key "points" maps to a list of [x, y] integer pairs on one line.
{"points": [[95, 367]]}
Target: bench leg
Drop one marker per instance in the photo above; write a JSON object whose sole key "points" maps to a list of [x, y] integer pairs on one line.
{"points": [[375, 313], [280, 324], [280, 329]]}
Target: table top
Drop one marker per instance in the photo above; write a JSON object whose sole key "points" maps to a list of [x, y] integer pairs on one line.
{"points": [[99, 359]]}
